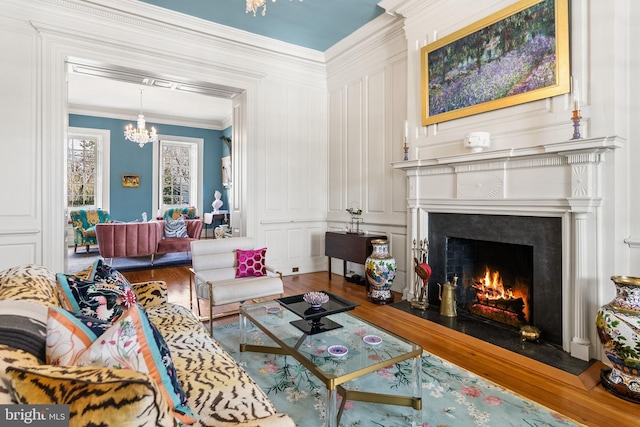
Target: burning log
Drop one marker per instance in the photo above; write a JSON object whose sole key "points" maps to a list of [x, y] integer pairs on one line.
{"points": [[515, 305], [497, 302], [497, 315]]}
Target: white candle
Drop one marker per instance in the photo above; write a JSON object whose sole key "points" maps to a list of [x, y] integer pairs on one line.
{"points": [[576, 94], [406, 129]]}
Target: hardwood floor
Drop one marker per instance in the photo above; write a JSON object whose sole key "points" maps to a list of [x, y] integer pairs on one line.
{"points": [[578, 397]]}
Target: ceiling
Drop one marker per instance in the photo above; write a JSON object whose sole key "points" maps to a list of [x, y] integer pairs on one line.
{"points": [[314, 24]]}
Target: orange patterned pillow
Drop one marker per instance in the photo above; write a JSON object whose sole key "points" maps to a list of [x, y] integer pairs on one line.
{"points": [[132, 342]]}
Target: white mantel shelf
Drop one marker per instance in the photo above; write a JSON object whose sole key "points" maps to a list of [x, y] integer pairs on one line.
{"points": [[592, 145], [562, 179]]}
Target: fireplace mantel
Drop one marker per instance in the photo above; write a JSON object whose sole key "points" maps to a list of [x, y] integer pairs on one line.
{"points": [[562, 179]]}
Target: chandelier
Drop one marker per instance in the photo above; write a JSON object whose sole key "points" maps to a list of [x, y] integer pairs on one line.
{"points": [[254, 5], [140, 135]]}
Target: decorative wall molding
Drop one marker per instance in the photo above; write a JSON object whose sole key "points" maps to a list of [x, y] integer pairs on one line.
{"points": [[633, 242], [480, 185]]}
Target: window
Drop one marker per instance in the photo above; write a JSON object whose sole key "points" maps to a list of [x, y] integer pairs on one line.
{"points": [[87, 168], [178, 172]]}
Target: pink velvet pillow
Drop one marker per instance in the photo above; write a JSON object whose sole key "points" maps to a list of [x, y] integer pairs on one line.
{"points": [[250, 263]]}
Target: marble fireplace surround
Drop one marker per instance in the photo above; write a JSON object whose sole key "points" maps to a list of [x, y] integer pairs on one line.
{"points": [[562, 179]]}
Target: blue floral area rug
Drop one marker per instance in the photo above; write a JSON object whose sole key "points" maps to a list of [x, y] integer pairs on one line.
{"points": [[451, 396]]}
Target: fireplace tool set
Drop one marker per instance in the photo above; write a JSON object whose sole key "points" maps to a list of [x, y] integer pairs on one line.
{"points": [[423, 272]]}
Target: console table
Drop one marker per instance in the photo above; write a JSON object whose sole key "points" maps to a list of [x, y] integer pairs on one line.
{"points": [[211, 219], [348, 247]]}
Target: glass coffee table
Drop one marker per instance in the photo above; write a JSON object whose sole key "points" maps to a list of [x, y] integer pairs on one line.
{"points": [[350, 340]]}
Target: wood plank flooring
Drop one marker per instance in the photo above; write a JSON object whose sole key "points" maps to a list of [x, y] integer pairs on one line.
{"points": [[578, 397]]}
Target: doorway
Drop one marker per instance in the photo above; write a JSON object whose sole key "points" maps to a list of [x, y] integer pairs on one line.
{"points": [[111, 91]]}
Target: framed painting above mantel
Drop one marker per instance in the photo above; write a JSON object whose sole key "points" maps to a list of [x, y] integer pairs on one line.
{"points": [[519, 54]]}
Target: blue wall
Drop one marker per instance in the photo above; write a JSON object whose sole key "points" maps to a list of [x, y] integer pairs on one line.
{"points": [[127, 203]]}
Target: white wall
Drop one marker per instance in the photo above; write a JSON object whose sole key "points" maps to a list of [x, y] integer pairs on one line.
{"points": [[281, 152], [632, 189], [367, 87]]}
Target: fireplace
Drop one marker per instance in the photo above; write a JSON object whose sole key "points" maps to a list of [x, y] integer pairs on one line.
{"points": [[522, 252], [546, 195]]}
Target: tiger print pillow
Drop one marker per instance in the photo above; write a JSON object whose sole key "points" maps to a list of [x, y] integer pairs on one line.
{"points": [[29, 282], [115, 397]]}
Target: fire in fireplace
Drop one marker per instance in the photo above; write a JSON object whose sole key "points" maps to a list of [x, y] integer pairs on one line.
{"points": [[495, 300], [496, 278]]}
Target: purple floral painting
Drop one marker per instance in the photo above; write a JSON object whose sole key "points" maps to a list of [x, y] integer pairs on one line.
{"points": [[513, 56]]}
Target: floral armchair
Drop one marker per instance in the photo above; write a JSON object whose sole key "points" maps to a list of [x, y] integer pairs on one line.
{"points": [[84, 226]]}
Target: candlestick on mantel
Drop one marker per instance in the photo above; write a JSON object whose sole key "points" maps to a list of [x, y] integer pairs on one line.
{"points": [[576, 122], [405, 146], [575, 118]]}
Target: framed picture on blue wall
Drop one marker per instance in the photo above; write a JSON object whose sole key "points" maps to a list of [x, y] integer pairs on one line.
{"points": [[130, 180]]}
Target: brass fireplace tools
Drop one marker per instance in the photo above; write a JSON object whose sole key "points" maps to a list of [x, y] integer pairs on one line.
{"points": [[420, 298]]}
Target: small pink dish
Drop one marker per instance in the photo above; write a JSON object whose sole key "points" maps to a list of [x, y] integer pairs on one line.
{"points": [[273, 310], [372, 339], [338, 350]]}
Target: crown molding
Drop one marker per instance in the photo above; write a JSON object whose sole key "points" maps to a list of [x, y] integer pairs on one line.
{"points": [[383, 39], [150, 29], [374, 29], [139, 11]]}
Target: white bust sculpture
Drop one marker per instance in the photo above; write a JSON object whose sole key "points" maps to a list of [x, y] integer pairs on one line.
{"points": [[217, 203]]}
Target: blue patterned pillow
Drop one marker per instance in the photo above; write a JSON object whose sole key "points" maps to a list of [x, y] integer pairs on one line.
{"points": [[99, 299], [103, 272], [175, 227]]}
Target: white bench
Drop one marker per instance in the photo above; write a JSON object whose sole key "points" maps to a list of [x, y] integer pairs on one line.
{"points": [[214, 275]]}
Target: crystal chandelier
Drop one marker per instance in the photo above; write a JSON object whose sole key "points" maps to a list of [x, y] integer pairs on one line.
{"points": [[140, 135], [254, 5]]}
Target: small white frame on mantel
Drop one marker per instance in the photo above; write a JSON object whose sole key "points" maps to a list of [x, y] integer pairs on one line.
{"points": [[561, 179]]}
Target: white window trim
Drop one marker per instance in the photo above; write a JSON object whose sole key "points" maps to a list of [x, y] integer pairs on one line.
{"points": [[199, 143], [103, 163]]}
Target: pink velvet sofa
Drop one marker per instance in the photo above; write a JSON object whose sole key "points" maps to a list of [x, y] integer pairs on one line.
{"points": [[135, 239]]}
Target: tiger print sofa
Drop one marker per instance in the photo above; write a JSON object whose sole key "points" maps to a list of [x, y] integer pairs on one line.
{"points": [[218, 391]]}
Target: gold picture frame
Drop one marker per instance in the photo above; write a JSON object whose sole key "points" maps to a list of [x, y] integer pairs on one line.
{"points": [[519, 54], [130, 180]]}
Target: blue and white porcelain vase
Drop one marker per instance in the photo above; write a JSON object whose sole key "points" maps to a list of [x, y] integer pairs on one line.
{"points": [[618, 325], [380, 270]]}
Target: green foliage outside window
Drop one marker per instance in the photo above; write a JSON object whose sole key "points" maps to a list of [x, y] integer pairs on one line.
{"points": [[176, 175], [81, 172]]}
